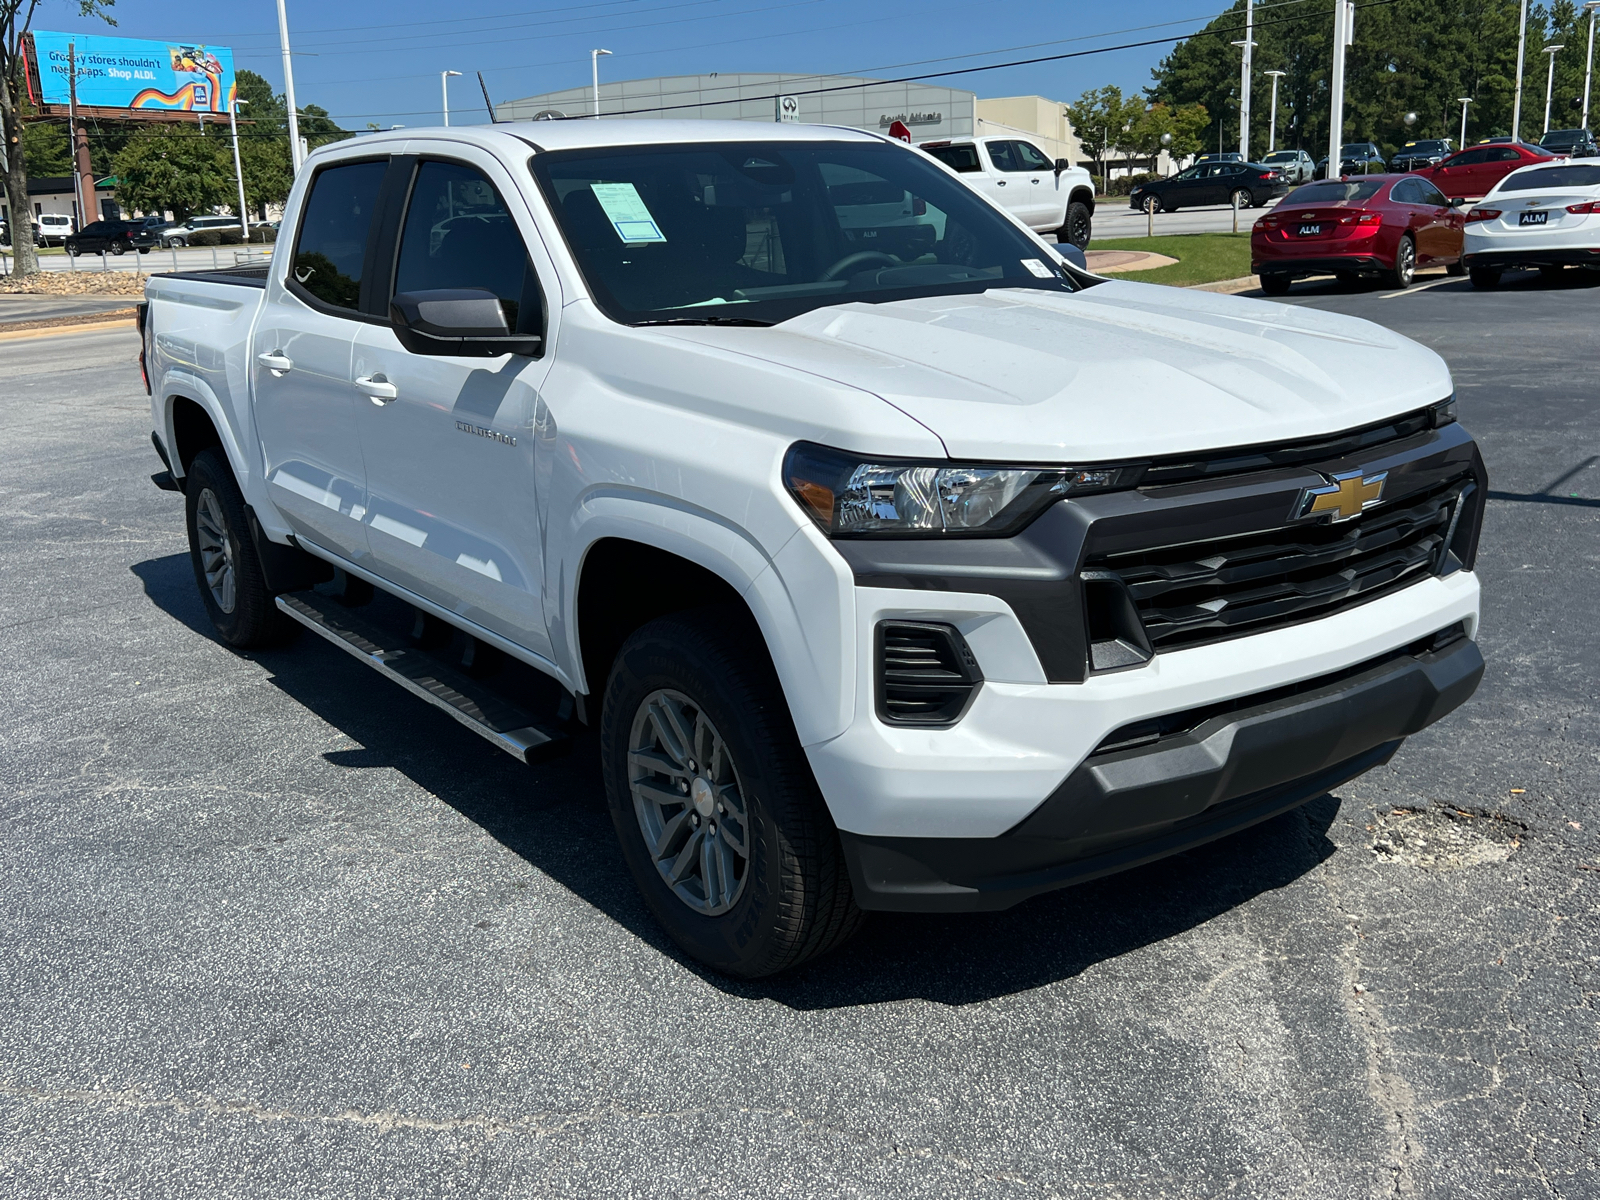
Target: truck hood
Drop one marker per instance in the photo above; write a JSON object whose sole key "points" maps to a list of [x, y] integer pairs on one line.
{"points": [[1118, 370]]}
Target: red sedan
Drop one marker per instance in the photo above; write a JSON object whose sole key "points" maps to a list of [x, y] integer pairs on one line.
{"points": [[1471, 174], [1373, 225]]}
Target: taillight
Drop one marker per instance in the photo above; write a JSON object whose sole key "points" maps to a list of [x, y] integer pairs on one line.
{"points": [[919, 207], [1269, 222], [1482, 214], [1362, 218], [1580, 210]]}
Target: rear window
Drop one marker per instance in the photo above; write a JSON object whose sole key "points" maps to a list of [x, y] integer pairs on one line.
{"points": [[333, 232], [1583, 176], [957, 158], [1332, 191]]}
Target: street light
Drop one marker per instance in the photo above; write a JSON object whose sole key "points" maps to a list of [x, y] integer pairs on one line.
{"points": [[1465, 100], [1272, 134], [1550, 83], [594, 67], [444, 92], [297, 154], [238, 171], [1244, 78], [1588, 67], [1516, 107], [1344, 14]]}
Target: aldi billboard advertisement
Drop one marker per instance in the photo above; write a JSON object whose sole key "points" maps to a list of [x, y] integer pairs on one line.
{"points": [[125, 73]]}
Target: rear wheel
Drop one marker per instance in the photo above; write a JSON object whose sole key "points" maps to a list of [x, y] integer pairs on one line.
{"points": [[1079, 224], [720, 820], [1275, 285], [1485, 277], [226, 568], [1405, 264], [1240, 199], [118, 249]]}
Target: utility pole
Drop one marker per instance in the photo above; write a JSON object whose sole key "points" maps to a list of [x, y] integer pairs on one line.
{"points": [[238, 171], [1343, 35], [1522, 43], [1465, 100], [594, 66], [1588, 66], [1244, 78], [82, 165], [297, 155], [1549, 84], [444, 91], [1272, 129]]}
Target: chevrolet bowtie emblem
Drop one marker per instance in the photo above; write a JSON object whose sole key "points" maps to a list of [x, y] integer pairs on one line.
{"points": [[1346, 495]]}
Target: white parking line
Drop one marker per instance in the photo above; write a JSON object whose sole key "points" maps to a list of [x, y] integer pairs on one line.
{"points": [[1421, 287]]}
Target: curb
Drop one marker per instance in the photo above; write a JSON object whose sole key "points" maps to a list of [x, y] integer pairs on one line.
{"points": [[16, 335]]}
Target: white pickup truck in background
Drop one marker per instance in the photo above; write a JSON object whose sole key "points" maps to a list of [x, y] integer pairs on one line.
{"points": [[900, 564], [1055, 199]]}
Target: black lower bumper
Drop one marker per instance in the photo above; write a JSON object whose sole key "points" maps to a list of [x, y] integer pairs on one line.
{"points": [[1332, 264], [1506, 260], [1125, 807]]}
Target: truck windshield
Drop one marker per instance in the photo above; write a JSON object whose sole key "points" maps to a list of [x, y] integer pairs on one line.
{"points": [[758, 232]]}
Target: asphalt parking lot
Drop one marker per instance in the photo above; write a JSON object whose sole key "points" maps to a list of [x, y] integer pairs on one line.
{"points": [[271, 927]]}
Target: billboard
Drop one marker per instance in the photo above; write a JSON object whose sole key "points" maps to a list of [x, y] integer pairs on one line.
{"points": [[125, 73]]}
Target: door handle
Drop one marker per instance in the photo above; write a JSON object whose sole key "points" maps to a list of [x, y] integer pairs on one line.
{"points": [[378, 389], [999, 183], [276, 361]]}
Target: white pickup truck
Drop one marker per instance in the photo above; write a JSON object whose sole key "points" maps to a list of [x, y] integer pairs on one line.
{"points": [[901, 564], [1055, 199]]}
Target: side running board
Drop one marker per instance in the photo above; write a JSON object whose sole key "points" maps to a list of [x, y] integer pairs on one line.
{"points": [[478, 707]]}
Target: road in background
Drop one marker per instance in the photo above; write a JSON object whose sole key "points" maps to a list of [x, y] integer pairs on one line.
{"points": [[273, 927], [29, 307], [189, 258], [1114, 219]]}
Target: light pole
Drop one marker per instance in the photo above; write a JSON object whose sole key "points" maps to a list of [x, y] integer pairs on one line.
{"points": [[444, 92], [1588, 66], [1343, 34], [296, 156], [1522, 42], [1272, 129], [1465, 100], [1550, 84], [594, 67], [1244, 78], [238, 171]]}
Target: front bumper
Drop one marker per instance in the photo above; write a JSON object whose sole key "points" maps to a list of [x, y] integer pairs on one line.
{"points": [[1123, 807]]}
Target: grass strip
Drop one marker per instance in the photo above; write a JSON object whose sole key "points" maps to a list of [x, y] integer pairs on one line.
{"points": [[1202, 257]]}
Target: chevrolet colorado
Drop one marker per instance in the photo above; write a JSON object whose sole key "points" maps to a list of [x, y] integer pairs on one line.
{"points": [[900, 563]]}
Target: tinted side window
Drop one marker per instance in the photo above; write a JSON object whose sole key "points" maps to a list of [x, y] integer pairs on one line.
{"points": [[958, 158], [1000, 154], [1428, 194], [458, 234], [1469, 159], [1030, 158], [1404, 193], [333, 232]]}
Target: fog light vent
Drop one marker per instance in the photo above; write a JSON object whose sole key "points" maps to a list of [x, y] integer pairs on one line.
{"points": [[927, 674]]}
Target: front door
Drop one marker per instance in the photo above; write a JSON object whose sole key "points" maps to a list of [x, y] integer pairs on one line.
{"points": [[305, 406], [448, 440]]}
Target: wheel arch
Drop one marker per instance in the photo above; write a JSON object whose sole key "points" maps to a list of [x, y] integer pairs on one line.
{"points": [[194, 421], [1082, 194]]}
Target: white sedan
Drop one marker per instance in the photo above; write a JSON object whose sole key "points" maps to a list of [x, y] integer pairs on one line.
{"points": [[1546, 215]]}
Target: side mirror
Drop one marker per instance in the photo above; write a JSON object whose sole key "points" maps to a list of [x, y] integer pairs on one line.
{"points": [[1063, 164], [1457, 201], [1073, 255], [467, 322]]}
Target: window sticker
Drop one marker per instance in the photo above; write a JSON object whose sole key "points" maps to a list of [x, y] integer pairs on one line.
{"points": [[627, 212], [1038, 268]]}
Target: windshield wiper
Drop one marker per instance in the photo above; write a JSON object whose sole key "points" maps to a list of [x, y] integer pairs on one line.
{"points": [[706, 320]]}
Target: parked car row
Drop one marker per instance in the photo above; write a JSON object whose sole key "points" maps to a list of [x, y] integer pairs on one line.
{"points": [[1543, 214]]}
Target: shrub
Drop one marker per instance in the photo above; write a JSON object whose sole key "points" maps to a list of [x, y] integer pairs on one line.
{"points": [[262, 235], [231, 237], [205, 237], [1124, 184]]}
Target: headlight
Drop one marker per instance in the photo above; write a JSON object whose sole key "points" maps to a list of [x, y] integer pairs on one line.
{"points": [[852, 496], [1443, 413]]}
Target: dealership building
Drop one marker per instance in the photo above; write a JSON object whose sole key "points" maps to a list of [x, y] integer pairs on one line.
{"points": [[931, 113]]}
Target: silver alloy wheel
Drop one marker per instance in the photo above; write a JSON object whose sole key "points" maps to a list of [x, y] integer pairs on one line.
{"points": [[1405, 267], [216, 549], [688, 801]]}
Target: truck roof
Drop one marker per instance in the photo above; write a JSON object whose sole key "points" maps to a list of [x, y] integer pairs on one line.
{"points": [[573, 134]]}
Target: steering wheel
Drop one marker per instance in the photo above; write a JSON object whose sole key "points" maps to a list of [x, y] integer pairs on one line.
{"points": [[860, 256]]}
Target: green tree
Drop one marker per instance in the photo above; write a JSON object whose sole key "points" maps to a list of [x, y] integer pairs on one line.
{"points": [[175, 167], [1104, 120], [1187, 125], [268, 173], [16, 17]]}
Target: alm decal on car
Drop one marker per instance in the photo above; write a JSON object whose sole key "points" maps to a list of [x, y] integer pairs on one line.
{"points": [[1347, 495]]}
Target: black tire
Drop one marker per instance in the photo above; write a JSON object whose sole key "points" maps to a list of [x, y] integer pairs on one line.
{"points": [[1078, 227], [1239, 199], [1486, 278], [253, 618], [793, 899], [1151, 205], [73, 251], [1404, 270], [118, 249], [1275, 285], [144, 249], [1457, 268]]}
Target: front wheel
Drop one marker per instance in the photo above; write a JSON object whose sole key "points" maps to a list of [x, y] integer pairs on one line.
{"points": [[1275, 285], [1151, 205], [1486, 278], [73, 251], [118, 249], [226, 568], [1240, 199], [1405, 265], [1078, 226], [720, 820]]}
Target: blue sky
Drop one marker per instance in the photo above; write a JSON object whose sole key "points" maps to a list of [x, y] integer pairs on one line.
{"points": [[378, 61]]}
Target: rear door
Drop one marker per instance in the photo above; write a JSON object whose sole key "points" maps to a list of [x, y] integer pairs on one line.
{"points": [[448, 441], [999, 180], [305, 405], [1453, 176]]}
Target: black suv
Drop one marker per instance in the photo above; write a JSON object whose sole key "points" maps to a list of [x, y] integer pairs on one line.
{"points": [[1356, 158], [1414, 156], [1579, 143], [111, 237]]}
